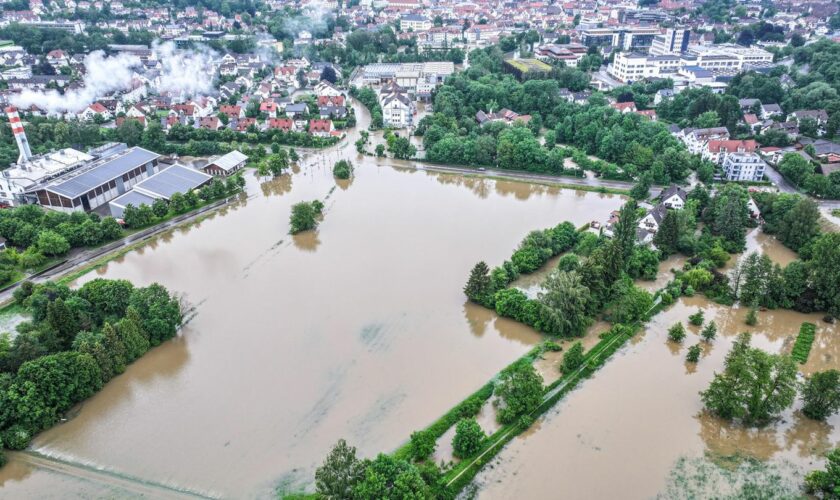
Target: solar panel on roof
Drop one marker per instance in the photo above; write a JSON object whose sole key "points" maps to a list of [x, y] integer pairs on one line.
{"points": [[80, 184], [175, 179]]}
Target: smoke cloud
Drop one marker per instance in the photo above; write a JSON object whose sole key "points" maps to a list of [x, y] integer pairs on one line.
{"points": [[314, 18], [183, 73]]}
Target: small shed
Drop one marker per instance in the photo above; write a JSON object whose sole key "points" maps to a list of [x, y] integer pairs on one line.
{"points": [[226, 165]]}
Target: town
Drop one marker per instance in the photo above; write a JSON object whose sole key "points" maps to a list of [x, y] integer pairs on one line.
{"points": [[245, 229]]}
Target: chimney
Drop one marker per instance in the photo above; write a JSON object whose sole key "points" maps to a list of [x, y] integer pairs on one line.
{"points": [[20, 135]]}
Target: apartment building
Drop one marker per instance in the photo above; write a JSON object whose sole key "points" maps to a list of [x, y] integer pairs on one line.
{"points": [[743, 167]]}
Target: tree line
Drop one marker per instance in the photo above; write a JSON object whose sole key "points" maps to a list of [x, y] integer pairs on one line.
{"points": [[75, 341]]}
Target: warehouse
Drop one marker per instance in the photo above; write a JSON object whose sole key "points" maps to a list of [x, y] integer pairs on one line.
{"points": [[98, 182], [161, 186]]}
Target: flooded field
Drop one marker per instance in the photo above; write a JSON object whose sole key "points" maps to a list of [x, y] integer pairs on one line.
{"points": [[637, 430], [359, 331]]}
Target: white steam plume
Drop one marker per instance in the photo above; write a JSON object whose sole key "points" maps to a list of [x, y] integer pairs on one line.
{"points": [[182, 72], [104, 75], [188, 72], [313, 18]]}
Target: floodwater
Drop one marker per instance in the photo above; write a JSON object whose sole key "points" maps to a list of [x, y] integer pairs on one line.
{"points": [[359, 330], [641, 414]]}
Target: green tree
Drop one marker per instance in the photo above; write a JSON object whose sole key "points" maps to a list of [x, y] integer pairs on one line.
{"points": [[821, 395], [158, 312], [693, 354], [825, 482], [754, 387], [478, 288], [391, 478], [696, 319], [752, 317], [340, 472], [380, 150], [519, 391], [641, 190], [800, 224], [573, 358], [730, 216], [52, 243], [667, 237], [303, 217], [825, 272], [676, 333], [468, 438], [566, 300], [342, 169], [422, 445], [709, 331]]}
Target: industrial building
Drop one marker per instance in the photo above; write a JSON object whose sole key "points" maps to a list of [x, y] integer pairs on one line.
{"points": [[110, 176], [161, 186], [97, 182]]}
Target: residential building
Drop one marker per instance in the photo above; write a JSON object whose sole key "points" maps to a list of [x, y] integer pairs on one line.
{"points": [[743, 167], [673, 197], [716, 150]]}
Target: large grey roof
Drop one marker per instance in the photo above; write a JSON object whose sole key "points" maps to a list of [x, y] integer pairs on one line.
{"points": [[77, 184], [132, 198], [175, 179]]}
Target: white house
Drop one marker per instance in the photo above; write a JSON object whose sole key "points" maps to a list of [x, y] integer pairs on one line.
{"points": [[653, 219], [674, 197]]}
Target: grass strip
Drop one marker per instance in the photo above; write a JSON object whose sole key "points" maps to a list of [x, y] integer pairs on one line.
{"points": [[802, 346]]}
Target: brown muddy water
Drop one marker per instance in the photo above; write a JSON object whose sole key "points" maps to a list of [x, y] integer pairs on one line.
{"points": [[358, 331], [621, 433]]}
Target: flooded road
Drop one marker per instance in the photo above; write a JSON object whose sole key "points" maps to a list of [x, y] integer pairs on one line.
{"points": [[358, 331], [621, 433]]}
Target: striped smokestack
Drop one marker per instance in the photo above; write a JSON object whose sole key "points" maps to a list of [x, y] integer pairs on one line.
{"points": [[20, 135]]}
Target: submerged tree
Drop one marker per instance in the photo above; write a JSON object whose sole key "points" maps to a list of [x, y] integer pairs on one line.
{"points": [[754, 387], [821, 395], [304, 216], [478, 288], [573, 358]]}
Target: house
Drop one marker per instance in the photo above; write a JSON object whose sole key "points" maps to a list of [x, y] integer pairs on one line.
{"points": [[330, 100], [90, 112], [673, 197], [270, 108], [624, 107], [653, 219], [396, 106], [818, 116], [325, 88], [717, 150], [210, 123], [57, 58], [696, 139], [321, 128], [752, 208], [751, 121], [226, 165], [338, 112], [243, 124], [768, 111], [747, 105], [284, 124], [296, 110], [650, 114], [504, 115], [232, 111]]}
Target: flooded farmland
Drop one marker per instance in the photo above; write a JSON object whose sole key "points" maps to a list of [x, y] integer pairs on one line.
{"points": [[359, 330], [637, 430]]}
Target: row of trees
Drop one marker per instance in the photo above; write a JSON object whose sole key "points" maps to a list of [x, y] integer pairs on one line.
{"points": [[755, 387], [41, 234], [75, 342], [145, 215], [804, 174]]}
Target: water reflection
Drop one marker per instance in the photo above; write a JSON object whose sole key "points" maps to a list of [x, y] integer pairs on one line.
{"points": [[307, 240], [277, 186]]}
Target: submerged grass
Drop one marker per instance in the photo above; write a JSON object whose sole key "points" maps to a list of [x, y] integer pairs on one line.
{"points": [[731, 477], [802, 346]]}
